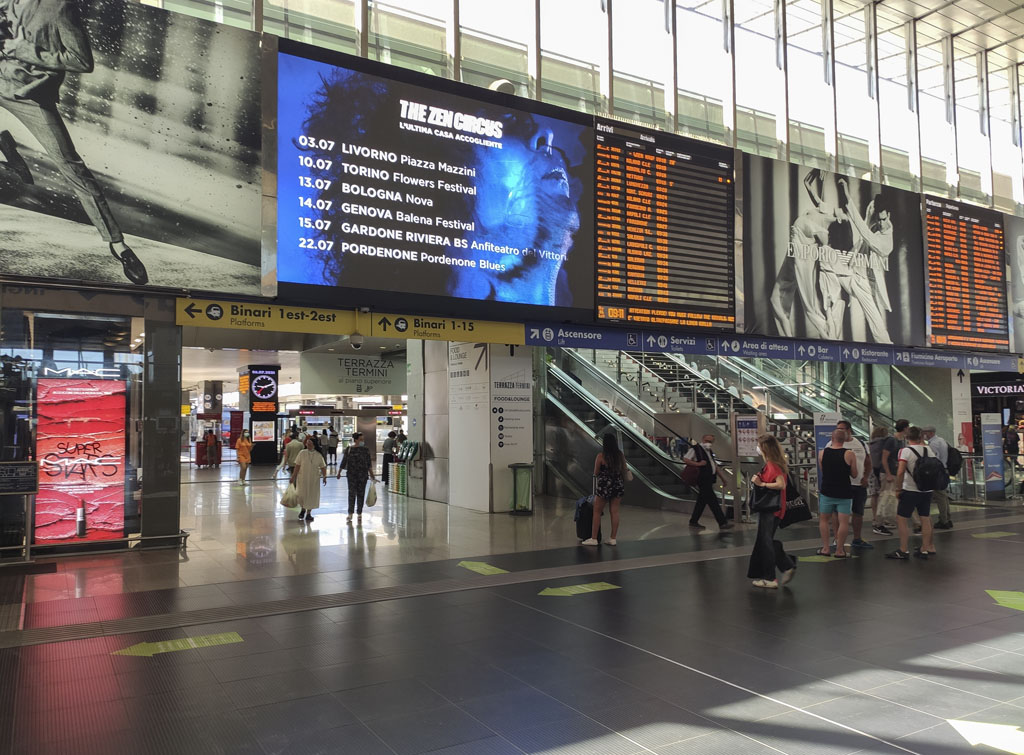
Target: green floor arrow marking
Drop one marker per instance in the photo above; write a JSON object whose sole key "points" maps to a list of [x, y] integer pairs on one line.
{"points": [[149, 649], [578, 589], [994, 534], [481, 568], [997, 736], [1008, 598]]}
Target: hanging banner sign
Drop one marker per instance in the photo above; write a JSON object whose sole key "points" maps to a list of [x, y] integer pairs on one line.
{"points": [[582, 337], [992, 449], [234, 315], [445, 329], [757, 348]]}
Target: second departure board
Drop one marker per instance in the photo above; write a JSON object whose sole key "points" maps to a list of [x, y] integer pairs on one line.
{"points": [[966, 276], [665, 228]]}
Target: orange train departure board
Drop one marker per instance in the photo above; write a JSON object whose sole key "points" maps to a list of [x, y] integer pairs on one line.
{"points": [[966, 276], [665, 227]]}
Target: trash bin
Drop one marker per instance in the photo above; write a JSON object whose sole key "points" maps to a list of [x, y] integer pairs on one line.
{"points": [[522, 489]]}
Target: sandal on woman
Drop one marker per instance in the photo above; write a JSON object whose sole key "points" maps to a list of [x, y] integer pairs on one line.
{"points": [[771, 584], [837, 554], [823, 552]]}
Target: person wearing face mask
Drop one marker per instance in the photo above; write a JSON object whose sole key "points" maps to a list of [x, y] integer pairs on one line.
{"points": [[243, 451], [769, 555], [358, 466], [702, 456], [309, 466]]}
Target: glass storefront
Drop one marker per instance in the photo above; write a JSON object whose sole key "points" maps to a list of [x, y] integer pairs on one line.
{"points": [[83, 396]]}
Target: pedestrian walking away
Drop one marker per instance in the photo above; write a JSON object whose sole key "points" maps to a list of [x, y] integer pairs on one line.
{"points": [[703, 456], [610, 477], [388, 450], [835, 493], [308, 474], [768, 555]]}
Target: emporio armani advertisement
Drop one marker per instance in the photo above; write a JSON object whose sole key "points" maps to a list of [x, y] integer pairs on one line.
{"points": [[830, 257], [386, 185], [130, 146], [1014, 229]]}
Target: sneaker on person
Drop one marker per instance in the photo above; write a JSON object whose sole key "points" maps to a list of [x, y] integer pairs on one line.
{"points": [[590, 541], [769, 584], [881, 530], [787, 576], [611, 541], [726, 526], [857, 543], [697, 526], [898, 555]]}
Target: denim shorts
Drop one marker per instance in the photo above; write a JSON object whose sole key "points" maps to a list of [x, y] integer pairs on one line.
{"points": [[829, 505]]}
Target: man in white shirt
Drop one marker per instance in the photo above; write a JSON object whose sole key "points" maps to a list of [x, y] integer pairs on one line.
{"points": [[859, 483], [939, 497], [912, 498]]}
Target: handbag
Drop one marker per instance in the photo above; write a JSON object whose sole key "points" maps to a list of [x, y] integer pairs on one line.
{"points": [[371, 495], [290, 499], [763, 499], [797, 509]]}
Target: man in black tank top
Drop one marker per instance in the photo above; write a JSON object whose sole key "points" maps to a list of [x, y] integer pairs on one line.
{"points": [[835, 493]]}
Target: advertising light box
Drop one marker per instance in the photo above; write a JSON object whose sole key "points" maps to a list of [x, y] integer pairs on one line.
{"points": [[432, 190], [830, 257], [80, 444]]}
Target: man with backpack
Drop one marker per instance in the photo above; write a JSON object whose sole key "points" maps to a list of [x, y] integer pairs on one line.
{"points": [[919, 473], [952, 461]]}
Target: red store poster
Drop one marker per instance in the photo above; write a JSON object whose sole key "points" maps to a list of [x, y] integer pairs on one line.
{"points": [[80, 445]]}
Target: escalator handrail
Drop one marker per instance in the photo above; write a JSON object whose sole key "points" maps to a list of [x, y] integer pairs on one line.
{"points": [[637, 403]]}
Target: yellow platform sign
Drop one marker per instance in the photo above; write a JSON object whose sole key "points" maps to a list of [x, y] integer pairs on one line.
{"points": [[208, 313], [446, 329]]}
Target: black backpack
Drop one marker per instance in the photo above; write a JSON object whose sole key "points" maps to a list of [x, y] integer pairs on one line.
{"points": [[954, 461], [929, 472]]}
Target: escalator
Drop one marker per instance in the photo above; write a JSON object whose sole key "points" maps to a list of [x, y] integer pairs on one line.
{"points": [[575, 421]]}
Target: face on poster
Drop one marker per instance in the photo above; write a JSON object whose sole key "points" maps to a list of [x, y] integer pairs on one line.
{"points": [[830, 257], [1014, 241], [163, 110], [384, 185], [80, 444]]}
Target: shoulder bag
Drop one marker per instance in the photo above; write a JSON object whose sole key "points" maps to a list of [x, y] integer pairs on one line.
{"points": [[764, 499]]}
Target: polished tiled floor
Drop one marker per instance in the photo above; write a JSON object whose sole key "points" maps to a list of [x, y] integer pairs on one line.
{"points": [[863, 655]]}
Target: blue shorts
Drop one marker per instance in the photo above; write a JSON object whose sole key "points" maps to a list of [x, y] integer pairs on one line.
{"points": [[829, 505]]}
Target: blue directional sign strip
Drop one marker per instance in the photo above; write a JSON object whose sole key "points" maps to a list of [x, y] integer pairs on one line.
{"points": [[751, 347]]}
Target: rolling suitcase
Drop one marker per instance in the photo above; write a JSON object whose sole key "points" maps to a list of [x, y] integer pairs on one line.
{"points": [[584, 518]]}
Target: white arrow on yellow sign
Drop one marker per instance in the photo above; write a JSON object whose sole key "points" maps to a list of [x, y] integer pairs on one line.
{"points": [[997, 736], [446, 329]]}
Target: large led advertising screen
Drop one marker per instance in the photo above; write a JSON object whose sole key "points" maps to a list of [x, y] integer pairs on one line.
{"points": [[80, 445], [385, 185], [966, 276], [131, 147], [830, 257], [664, 210]]}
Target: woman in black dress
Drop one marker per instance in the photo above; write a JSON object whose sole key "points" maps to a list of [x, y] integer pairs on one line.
{"points": [[610, 473]]}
